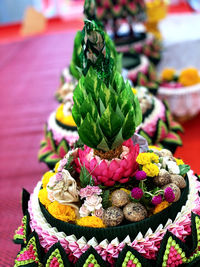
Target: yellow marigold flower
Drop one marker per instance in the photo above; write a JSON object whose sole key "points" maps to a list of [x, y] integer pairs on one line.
{"points": [[163, 205], [143, 158], [126, 190], [46, 177], [154, 158], [189, 77], [168, 74], [62, 212], [91, 221], [43, 197], [179, 161], [151, 169], [56, 166], [155, 147], [134, 90]]}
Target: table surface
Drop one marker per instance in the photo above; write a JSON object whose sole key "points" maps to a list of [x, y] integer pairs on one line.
{"points": [[29, 75]]}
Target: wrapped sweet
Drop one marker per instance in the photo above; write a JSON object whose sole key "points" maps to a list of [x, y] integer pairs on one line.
{"points": [[158, 125]]}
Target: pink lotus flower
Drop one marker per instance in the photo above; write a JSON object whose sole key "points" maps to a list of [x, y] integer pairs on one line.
{"points": [[109, 172]]}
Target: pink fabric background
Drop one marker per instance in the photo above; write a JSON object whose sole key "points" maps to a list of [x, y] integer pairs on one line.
{"points": [[29, 75]]}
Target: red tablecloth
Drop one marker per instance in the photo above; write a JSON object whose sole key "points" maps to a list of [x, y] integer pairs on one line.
{"points": [[29, 75]]}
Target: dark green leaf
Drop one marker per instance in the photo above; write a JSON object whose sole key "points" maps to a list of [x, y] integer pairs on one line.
{"points": [[118, 140], [124, 102], [128, 128], [85, 178], [68, 166], [88, 106], [105, 199], [103, 145], [89, 132], [110, 123], [102, 107], [78, 144], [92, 84], [108, 96], [184, 169], [79, 92], [138, 112], [76, 115], [118, 83]]}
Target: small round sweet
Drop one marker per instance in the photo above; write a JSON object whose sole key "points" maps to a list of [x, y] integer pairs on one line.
{"points": [[134, 212], [176, 190], [113, 216], [119, 198], [163, 178], [178, 180], [165, 153]]}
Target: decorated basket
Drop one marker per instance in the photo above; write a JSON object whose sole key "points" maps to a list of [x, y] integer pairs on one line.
{"points": [[182, 91], [60, 134], [158, 126], [143, 75], [113, 201], [148, 46]]}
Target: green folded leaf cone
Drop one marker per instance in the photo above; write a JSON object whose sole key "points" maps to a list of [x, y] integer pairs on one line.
{"points": [[93, 47], [95, 52], [106, 115]]}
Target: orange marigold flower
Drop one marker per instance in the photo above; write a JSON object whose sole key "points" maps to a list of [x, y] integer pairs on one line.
{"points": [[46, 177], [43, 197], [168, 74], [91, 221], [62, 212], [189, 77], [163, 205]]}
